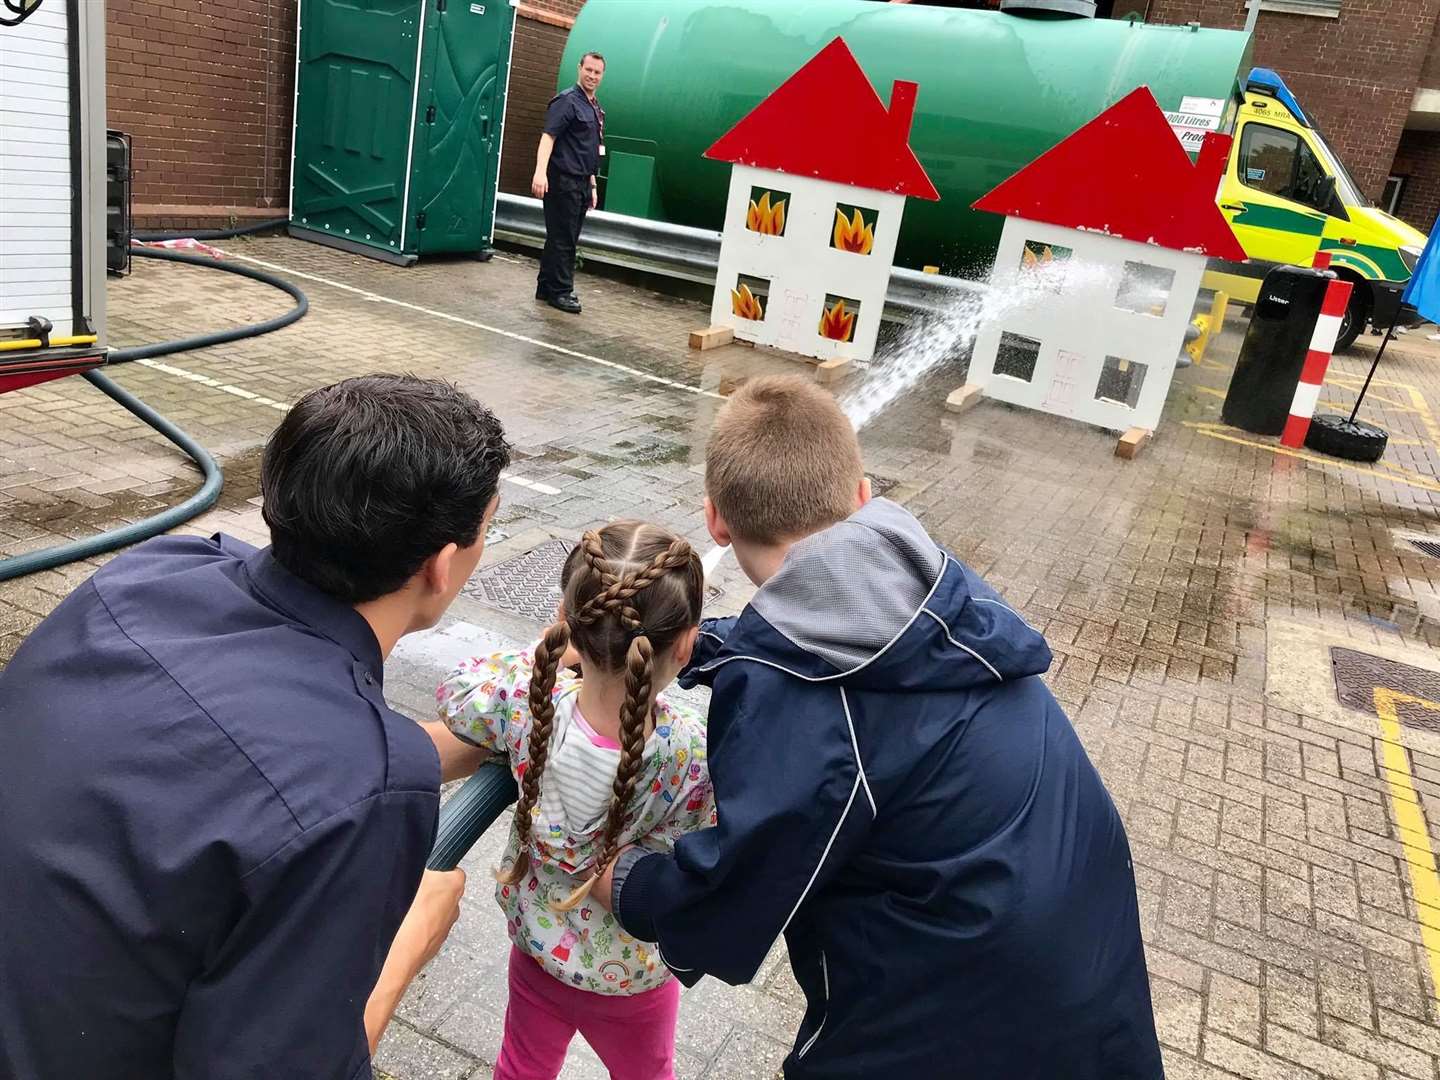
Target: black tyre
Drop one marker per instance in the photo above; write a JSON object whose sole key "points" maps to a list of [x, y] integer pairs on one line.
{"points": [[1335, 435], [1357, 316], [469, 812]]}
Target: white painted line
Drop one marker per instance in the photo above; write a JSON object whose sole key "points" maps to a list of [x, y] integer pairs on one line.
{"points": [[280, 406], [520, 481], [215, 384], [562, 350]]}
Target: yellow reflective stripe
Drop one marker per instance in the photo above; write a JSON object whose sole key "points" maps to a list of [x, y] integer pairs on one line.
{"points": [[55, 342]]}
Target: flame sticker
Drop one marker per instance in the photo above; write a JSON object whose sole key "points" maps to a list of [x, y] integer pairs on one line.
{"points": [[854, 234], [765, 216], [745, 304], [837, 324]]}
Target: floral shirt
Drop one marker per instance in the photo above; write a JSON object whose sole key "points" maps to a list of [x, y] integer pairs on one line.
{"points": [[486, 703]]}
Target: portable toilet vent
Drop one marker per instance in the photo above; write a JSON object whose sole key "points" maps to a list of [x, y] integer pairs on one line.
{"points": [[399, 112]]}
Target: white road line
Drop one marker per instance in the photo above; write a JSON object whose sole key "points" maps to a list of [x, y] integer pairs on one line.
{"points": [[379, 298], [280, 406], [215, 384]]}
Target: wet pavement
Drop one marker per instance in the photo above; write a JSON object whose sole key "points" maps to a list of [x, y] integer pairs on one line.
{"points": [[1195, 598]]}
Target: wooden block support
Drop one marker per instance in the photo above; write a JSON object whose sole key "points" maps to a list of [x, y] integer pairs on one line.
{"points": [[712, 337], [1132, 442], [964, 398], [832, 371]]}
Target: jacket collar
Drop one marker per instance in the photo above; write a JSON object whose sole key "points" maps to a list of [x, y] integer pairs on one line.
{"points": [[322, 613]]}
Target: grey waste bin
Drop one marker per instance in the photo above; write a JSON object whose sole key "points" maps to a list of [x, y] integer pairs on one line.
{"points": [[1274, 351]]}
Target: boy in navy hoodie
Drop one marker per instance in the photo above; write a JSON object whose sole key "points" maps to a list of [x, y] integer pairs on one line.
{"points": [[898, 793]]}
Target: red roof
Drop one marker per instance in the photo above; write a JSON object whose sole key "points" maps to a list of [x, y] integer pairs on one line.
{"points": [[827, 121], [1126, 174]]}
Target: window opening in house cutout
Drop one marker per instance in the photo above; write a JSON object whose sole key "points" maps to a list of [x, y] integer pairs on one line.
{"points": [[854, 229], [1121, 381], [1017, 357], [1044, 264], [750, 297], [841, 317], [1145, 289], [766, 214]]}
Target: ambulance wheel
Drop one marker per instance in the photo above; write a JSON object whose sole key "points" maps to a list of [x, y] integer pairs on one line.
{"points": [[1336, 436], [1357, 315]]}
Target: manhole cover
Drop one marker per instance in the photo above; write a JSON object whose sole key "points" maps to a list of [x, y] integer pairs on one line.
{"points": [[1425, 547], [1357, 675], [529, 584]]}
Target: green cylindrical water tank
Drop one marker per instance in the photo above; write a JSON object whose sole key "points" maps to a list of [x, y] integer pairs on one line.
{"points": [[996, 91]]}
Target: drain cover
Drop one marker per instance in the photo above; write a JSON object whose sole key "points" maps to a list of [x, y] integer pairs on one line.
{"points": [[881, 486], [529, 584], [1425, 547], [1357, 675]]}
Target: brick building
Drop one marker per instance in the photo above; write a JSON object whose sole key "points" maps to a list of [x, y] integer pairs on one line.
{"points": [[1368, 71], [206, 89]]}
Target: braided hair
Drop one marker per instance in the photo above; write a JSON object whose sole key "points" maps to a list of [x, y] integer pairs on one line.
{"points": [[630, 590]]}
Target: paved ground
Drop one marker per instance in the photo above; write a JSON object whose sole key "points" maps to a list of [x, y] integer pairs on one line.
{"points": [[1191, 597]]}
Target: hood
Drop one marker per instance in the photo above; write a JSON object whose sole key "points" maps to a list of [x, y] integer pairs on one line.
{"points": [[874, 602], [1380, 228]]}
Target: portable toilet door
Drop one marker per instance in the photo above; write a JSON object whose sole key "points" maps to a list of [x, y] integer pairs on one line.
{"points": [[399, 112]]}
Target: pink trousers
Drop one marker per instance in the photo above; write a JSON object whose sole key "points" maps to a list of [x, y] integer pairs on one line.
{"points": [[634, 1036]]}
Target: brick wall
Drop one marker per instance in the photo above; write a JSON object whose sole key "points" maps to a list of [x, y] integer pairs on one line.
{"points": [[1357, 74], [205, 89], [1430, 73], [540, 35], [1418, 160], [533, 66]]}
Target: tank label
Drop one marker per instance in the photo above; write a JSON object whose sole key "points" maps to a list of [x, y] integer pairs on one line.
{"points": [[1190, 128], [1204, 106]]}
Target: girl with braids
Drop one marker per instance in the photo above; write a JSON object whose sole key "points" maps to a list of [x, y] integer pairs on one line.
{"points": [[603, 762]]}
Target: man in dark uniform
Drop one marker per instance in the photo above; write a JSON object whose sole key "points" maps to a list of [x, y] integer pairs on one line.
{"points": [[211, 822], [565, 168]]}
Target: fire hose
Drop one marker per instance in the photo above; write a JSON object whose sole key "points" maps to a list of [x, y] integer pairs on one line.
{"points": [[213, 480]]}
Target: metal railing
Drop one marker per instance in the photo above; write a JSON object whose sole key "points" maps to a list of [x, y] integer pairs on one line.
{"points": [[680, 251]]}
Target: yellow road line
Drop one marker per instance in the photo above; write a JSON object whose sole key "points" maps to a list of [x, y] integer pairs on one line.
{"points": [[1400, 476], [1423, 408], [1410, 818]]}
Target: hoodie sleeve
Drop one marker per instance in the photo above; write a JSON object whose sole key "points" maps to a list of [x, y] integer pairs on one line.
{"points": [[792, 809], [713, 633]]}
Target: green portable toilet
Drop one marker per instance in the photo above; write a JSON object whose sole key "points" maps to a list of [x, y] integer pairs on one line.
{"points": [[399, 110]]}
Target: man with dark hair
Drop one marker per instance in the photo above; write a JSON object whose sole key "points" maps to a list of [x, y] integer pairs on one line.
{"points": [[565, 167], [211, 824]]}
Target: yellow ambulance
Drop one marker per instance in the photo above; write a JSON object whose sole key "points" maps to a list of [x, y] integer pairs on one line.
{"points": [[1287, 195]]}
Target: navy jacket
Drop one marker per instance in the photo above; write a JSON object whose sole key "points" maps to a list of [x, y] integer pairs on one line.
{"points": [[578, 128], [902, 798], [210, 825]]}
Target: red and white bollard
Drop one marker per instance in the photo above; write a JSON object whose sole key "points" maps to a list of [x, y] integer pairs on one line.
{"points": [[1312, 376]]}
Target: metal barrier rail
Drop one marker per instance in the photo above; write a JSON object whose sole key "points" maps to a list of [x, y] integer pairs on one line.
{"points": [[680, 251]]}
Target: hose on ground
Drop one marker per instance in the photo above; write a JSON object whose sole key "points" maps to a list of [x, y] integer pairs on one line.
{"points": [[202, 500], [219, 337], [133, 532]]}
